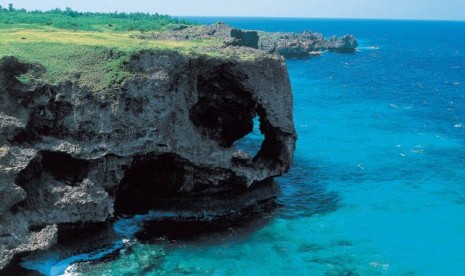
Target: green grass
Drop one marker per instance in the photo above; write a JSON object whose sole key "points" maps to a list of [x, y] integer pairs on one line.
{"points": [[89, 49], [95, 67], [93, 59]]}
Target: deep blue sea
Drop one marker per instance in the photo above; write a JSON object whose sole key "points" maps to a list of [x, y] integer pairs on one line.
{"points": [[378, 183]]}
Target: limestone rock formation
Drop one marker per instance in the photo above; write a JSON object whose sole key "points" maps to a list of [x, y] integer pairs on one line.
{"points": [[226, 34], [289, 45], [305, 44], [69, 155]]}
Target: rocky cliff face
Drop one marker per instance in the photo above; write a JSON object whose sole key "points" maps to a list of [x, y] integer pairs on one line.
{"points": [[305, 44], [165, 142]]}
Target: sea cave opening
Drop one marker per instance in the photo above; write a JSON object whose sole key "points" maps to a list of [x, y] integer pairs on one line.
{"points": [[149, 184], [252, 142], [225, 108]]}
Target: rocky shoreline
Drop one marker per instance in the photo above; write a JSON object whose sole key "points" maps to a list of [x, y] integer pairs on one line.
{"points": [[305, 44], [289, 45]]}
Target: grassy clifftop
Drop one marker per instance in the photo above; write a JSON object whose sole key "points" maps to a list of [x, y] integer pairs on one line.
{"points": [[89, 48], [94, 59]]}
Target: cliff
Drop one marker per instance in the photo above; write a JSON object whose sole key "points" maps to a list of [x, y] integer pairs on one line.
{"points": [[161, 138], [99, 124]]}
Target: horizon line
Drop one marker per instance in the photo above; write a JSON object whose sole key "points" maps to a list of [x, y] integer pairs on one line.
{"points": [[320, 18], [263, 16]]}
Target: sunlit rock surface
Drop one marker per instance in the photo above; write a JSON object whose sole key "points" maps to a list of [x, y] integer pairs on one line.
{"points": [[69, 155]]}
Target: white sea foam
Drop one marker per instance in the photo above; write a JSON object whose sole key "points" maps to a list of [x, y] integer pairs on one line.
{"points": [[373, 47], [72, 271], [380, 265], [125, 228], [54, 266], [315, 53]]}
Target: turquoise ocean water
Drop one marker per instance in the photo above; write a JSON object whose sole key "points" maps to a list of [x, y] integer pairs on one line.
{"points": [[378, 184]]}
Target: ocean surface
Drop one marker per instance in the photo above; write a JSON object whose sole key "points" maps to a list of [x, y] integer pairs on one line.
{"points": [[378, 183]]}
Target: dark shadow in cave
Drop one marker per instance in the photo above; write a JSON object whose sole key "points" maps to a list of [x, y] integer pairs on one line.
{"points": [[64, 167], [58, 165], [226, 112], [225, 109], [14, 267], [238, 225], [149, 182]]}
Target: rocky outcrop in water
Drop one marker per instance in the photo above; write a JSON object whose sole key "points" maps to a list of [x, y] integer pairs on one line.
{"points": [[305, 44], [289, 45], [70, 156]]}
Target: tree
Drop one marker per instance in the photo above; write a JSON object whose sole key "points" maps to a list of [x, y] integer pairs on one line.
{"points": [[10, 7]]}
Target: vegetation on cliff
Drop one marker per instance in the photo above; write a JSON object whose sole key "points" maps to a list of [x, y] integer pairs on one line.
{"points": [[91, 49], [85, 21], [87, 117], [94, 49]]}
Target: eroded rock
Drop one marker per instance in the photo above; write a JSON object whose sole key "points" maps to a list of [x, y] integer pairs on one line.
{"points": [[305, 44], [71, 156], [287, 44]]}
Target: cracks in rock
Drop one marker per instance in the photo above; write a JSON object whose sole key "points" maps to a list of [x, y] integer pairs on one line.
{"points": [[276, 151], [271, 148], [43, 171], [45, 118], [38, 102]]}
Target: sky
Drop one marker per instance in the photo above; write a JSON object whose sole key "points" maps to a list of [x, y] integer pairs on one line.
{"points": [[374, 9]]}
